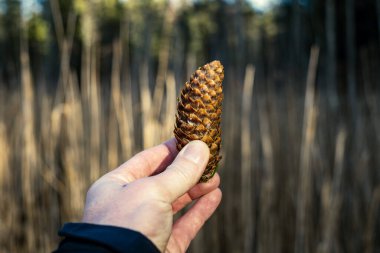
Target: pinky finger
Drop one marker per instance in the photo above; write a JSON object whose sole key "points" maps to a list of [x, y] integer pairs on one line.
{"points": [[187, 226]]}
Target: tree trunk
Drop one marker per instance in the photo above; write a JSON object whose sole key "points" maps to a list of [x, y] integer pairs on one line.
{"points": [[296, 33], [331, 53], [351, 58], [378, 17]]}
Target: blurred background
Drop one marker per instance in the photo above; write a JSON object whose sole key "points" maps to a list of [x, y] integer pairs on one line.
{"points": [[84, 85]]}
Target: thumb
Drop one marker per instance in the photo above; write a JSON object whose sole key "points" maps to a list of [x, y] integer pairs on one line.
{"points": [[185, 171]]}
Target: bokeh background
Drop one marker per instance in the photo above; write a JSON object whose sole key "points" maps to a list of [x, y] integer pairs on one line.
{"points": [[84, 85]]}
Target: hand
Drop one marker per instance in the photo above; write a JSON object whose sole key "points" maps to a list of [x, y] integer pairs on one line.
{"points": [[144, 193]]}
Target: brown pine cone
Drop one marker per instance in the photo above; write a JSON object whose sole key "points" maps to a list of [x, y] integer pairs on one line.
{"points": [[199, 112]]}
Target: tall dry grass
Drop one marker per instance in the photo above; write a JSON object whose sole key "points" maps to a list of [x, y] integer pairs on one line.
{"points": [[287, 185], [295, 176]]}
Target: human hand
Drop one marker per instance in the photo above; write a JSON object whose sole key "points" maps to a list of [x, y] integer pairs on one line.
{"points": [[144, 193]]}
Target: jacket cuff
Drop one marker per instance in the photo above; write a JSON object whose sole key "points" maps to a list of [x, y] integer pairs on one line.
{"points": [[116, 239]]}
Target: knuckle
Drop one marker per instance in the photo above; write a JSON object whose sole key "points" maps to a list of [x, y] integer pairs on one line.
{"points": [[184, 170], [157, 189]]}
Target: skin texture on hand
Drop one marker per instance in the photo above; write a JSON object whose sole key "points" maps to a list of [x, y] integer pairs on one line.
{"points": [[144, 193]]}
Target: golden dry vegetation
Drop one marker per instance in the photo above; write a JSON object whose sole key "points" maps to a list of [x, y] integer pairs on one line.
{"points": [[299, 173]]}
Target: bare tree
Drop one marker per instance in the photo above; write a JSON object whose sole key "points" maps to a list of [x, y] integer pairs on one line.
{"points": [[351, 58], [378, 16], [331, 53]]}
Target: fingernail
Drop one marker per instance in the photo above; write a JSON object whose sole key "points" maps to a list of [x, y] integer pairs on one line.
{"points": [[194, 152]]}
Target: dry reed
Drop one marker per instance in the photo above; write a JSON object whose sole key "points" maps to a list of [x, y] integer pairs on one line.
{"points": [[290, 182]]}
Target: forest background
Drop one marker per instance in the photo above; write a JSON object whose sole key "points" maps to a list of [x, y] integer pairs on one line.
{"points": [[84, 85]]}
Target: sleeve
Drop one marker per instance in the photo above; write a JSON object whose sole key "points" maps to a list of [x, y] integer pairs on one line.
{"points": [[85, 237]]}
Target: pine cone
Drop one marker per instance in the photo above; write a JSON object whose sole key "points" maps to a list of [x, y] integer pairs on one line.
{"points": [[199, 111]]}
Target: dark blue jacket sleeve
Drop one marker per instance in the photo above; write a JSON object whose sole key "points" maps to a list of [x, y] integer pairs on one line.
{"points": [[84, 237]]}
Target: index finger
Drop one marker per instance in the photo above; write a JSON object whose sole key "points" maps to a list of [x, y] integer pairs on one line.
{"points": [[186, 227], [146, 163]]}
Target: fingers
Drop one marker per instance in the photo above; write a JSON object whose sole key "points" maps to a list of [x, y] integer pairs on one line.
{"points": [[196, 192], [186, 227], [184, 172], [146, 163]]}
